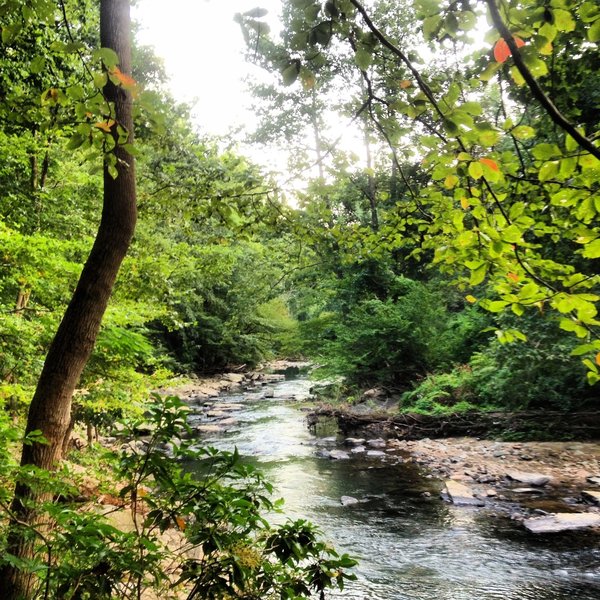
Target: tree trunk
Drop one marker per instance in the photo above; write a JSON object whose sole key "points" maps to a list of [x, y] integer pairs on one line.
{"points": [[73, 343]]}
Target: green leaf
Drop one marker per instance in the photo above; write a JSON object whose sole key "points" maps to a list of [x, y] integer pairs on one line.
{"points": [[523, 132], [476, 170], [363, 58], [37, 65], [549, 170], [290, 73], [546, 151], [563, 20], [593, 33], [592, 249], [108, 57]]}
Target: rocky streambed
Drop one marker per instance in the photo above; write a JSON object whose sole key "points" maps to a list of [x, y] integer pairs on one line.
{"points": [[549, 486]]}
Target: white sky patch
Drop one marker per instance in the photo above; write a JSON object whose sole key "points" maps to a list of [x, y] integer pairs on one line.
{"points": [[203, 51]]}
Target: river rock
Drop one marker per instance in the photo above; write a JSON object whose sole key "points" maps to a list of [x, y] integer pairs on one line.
{"points": [[338, 455], [322, 453], [358, 450], [376, 453], [595, 479], [354, 441], [348, 500], [461, 495], [592, 495], [527, 490], [536, 479], [377, 443], [234, 377], [229, 406], [558, 522]]}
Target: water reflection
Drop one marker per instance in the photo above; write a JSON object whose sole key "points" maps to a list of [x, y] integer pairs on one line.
{"points": [[411, 545]]}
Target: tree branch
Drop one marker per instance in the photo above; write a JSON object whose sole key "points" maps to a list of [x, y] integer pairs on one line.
{"points": [[535, 87]]}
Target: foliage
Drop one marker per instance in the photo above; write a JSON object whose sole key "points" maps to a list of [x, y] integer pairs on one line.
{"points": [[507, 182], [221, 545]]}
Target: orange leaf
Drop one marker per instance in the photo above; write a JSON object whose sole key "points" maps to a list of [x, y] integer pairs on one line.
{"points": [[405, 83], [181, 523], [502, 51], [598, 358], [492, 164], [513, 277], [105, 125], [125, 80], [464, 202]]}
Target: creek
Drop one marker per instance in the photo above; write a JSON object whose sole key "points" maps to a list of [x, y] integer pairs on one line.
{"points": [[411, 544]]}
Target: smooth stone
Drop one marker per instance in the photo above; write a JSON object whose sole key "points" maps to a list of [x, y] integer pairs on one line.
{"points": [[594, 479], [527, 491], [339, 455], [323, 453], [460, 495], [536, 479], [558, 522], [348, 500], [358, 450], [592, 495]]}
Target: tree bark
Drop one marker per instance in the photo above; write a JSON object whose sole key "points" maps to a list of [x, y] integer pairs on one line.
{"points": [[73, 343]]}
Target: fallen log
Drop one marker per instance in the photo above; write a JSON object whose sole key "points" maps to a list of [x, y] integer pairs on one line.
{"points": [[582, 426]]}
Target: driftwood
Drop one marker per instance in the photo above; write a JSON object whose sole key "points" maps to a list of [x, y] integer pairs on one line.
{"points": [[409, 426]]}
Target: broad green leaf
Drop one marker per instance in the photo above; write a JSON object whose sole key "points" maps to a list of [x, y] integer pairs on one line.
{"points": [[290, 74], [592, 249], [548, 170], [593, 33], [523, 132], [546, 151], [476, 170], [563, 20], [363, 58]]}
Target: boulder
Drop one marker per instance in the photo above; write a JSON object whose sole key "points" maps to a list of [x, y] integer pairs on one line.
{"points": [[558, 522], [339, 455], [595, 479], [358, 450], [536, 479], [348, 500], [461, 495]]}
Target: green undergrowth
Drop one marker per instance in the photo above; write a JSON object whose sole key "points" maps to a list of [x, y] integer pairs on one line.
{"points": [[200, 531]]}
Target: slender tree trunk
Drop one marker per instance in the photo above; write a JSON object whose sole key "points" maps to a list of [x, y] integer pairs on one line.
{"points": [[73, 343]]}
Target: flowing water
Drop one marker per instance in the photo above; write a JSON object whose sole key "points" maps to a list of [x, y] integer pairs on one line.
{"points": [[411, 545]]}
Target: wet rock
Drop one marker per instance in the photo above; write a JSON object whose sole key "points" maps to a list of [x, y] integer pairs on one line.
{"points": [[321, 453], [525, 457], [376, 453], [536, 479], [377, 443], [591, 495], [558, 522], [460, 495], [348, 500], [491, 493], [209, 428], [595, 479], [338, 455], [269, 393], [354, 441], [358, 450], [527, 491]]}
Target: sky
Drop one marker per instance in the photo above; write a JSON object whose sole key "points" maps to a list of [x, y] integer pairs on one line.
{"points": [[202, 48]]}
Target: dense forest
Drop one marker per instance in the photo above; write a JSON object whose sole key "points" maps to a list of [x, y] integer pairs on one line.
{"points": [[446, 256]]}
